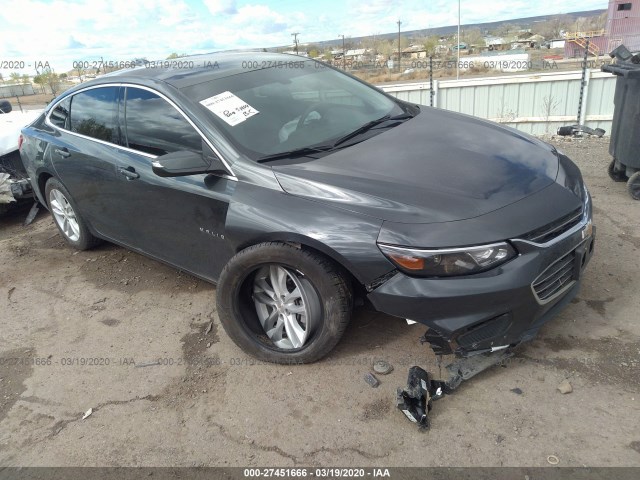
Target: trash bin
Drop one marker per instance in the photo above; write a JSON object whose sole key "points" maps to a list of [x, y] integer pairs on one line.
{"points": [[624, 146]]}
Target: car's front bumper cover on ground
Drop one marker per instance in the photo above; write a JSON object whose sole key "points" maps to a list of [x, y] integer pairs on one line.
{"points": [[499, 308]]}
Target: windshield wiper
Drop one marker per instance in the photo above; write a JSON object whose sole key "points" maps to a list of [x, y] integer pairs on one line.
{"points": [[304, 151], [298, 152], [368, 126]]}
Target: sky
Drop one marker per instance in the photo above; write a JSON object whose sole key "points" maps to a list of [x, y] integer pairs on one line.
{"points": [[63, 31]]}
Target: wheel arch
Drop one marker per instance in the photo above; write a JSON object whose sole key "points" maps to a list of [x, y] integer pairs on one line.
{"points": [[308, 243], [43, 177]]}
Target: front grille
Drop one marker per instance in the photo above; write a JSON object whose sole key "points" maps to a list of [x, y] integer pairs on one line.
{"points": [[555, 278], [555, 229]]}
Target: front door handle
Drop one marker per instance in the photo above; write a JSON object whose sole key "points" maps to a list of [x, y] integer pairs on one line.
{"points": [[63, 152], [128, 172]]}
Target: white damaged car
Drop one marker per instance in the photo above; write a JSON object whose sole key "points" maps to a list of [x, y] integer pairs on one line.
{"points": [[14, 182]]}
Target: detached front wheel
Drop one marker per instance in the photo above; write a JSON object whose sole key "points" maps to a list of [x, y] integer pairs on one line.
{"points": [[282, 304]]}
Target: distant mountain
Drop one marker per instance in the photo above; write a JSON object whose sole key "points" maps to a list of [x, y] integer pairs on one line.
{"points": [[522, 23]]}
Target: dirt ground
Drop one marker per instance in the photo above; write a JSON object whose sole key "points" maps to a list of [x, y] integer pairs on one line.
{"points": [[83, 330]]}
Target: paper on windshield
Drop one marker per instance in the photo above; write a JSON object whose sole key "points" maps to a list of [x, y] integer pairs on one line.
{"points": [[229, 108]]}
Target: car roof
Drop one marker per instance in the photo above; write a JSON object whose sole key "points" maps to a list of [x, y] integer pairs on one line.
{"points": [[186, 71]]}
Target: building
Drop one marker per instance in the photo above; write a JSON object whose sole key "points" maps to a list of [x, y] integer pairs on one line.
{"points": [[622, 27], [623, 24], [557, 43], [528, 41], [496, 43]]}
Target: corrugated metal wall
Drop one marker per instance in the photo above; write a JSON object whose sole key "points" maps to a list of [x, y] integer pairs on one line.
{"points": [[7, 91], [536, 104]]}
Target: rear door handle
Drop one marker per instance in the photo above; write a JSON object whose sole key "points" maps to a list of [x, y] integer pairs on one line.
{"points": [[128, 172], [63, 152]]}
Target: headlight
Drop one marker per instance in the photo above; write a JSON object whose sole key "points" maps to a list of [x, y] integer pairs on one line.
{"points": [[448, 262]]}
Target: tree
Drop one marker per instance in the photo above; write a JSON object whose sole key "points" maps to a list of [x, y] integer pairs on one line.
{"points": [[79, 71], [473, 36], [385, 48], [49, 78], [313, 50], [176, 55], [589, 24], [16, 78], [431, 45], [1, 78], [40, 80], [94, 129], [553, 28], [504, 29], [549, 104]]}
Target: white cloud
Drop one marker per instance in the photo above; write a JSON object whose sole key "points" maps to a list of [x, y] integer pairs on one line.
{"points": [[225, 7]]}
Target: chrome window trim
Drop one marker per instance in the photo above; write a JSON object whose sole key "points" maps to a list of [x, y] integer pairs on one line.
{"points": [[138, 152]]}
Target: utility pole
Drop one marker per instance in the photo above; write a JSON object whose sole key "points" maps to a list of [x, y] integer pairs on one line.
{"points": [[399, 52], [458, 64], [343, 53], [295, 41]]}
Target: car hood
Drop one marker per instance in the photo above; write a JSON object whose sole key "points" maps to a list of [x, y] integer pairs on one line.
{"points": [[438, 166]]}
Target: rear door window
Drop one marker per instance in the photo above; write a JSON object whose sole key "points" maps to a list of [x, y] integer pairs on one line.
{"points": [[154, 126], [93, 113]]}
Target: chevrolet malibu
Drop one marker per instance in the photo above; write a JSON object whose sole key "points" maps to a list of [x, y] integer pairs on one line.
{"points": [[302, 191]]}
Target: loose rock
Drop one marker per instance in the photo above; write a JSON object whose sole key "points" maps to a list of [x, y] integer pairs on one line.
{"points": [[565, 387]]}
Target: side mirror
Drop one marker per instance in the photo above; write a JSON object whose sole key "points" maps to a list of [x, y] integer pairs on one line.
{"points": [[185, 162]]}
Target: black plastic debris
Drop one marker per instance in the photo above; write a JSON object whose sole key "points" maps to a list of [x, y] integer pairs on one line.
{"points": [[579, 130], [416, 400], [32, 214], [466, 368]]}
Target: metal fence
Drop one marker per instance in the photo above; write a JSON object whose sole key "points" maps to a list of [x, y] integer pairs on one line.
{"points": [[7, 91], [534, 103]]}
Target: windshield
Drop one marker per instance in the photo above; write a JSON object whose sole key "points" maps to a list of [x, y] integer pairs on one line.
{"points": [[274, 110]]}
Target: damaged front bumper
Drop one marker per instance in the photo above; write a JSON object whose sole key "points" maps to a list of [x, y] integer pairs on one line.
{"points": [[495, 309], [14, 182]]}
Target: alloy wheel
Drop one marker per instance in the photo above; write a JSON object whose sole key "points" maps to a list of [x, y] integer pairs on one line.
{"points": [[287, 305], [64, 215]]}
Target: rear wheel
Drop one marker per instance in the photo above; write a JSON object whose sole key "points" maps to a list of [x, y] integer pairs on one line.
{"points": [[633, 186], [282, 304], [66, 217]]}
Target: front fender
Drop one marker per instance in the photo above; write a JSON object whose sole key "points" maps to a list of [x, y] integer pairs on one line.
{"points": [[259, 215]]}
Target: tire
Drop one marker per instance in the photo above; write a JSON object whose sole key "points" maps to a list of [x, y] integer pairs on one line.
{"points": [[5, 107], [326, 299], [615, 175], [62, 207], [633, 186]]}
